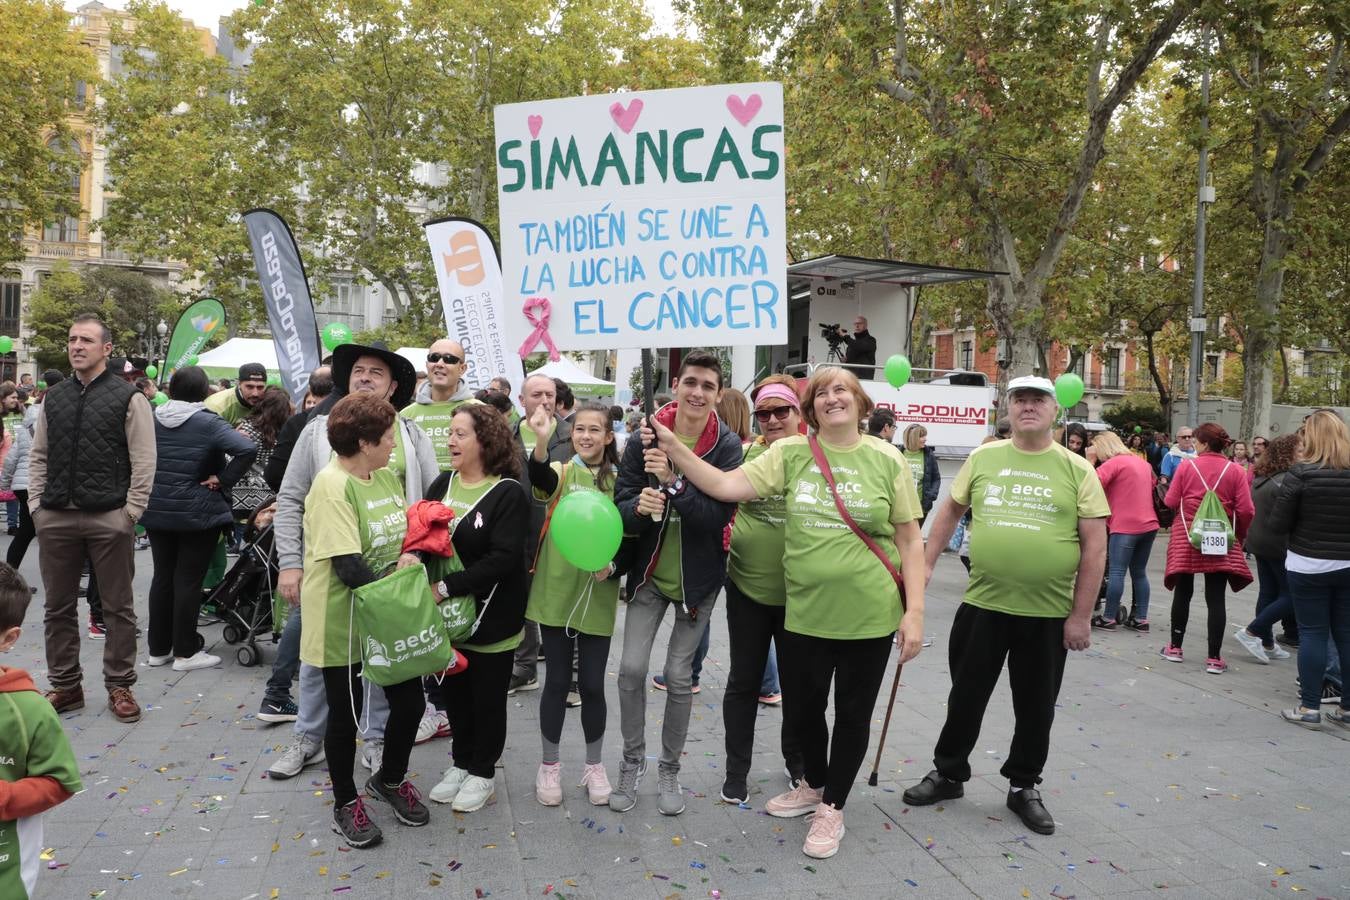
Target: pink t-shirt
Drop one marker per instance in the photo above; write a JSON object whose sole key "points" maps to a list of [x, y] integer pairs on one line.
{"points": [[1128, 482]]}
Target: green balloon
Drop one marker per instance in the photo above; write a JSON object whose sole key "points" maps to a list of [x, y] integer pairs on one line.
{"points": [[587, 530], [6, 344], [1069, 389], [160, 399], [1138, 429], [335, 334], [42, 385], [897, 371], [151, 371]]}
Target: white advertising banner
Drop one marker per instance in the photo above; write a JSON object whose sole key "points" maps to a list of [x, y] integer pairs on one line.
{"points": [[470, 279], [955, 415], [647, 219]]}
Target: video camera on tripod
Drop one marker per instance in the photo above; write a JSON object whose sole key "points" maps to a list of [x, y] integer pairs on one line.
{"points": [[830, 331]]}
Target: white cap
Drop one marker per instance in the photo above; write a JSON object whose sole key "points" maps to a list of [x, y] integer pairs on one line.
{"points": [[1031, 383]]}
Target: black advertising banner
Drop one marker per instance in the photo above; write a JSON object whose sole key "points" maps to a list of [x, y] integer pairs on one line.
{"points": [[290, 311]]}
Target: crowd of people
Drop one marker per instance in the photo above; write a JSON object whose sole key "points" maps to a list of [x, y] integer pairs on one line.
{"points": [[800, 506]]}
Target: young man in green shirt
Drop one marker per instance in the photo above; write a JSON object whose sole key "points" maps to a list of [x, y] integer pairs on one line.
{"points": [[1037, 551], [234, 405]]}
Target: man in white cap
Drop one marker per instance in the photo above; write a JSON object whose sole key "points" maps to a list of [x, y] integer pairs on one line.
{"points": [[1036, 560]]}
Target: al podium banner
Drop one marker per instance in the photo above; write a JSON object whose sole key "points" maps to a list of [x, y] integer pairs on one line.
{"points": [[644, 219], [290, 311], [195, 326], [469, 276]]}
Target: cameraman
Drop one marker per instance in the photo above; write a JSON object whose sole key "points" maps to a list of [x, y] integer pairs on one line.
{"points": [[862, 347]]}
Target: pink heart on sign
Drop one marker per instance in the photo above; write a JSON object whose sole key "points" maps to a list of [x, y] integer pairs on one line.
{"points": [[743, 112], [626, 118], [535, 123]]}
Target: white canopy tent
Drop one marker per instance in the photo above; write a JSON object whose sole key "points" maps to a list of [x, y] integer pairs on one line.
{"points": [[224, 361], [582, 383]]}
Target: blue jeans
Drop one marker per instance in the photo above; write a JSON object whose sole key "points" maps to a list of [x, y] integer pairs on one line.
{"points": [[287, 663], [1322, 604], [1128, 552], [768, 686], [1273, 601]]}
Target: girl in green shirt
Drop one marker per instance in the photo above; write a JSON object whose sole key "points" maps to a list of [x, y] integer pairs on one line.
{"points": [[843, 607], [572, 606]]}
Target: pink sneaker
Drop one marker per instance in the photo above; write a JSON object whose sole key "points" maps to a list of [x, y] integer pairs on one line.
{"points": [[827, 830], [548, 784], [1215, 666], [1171, 654], [596, 783], [797, 802]]}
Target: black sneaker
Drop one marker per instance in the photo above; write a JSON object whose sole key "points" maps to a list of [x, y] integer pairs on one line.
{"points": [[1103, 623], [735, 791], [522, 683], [1029, 808], [1139, 625], [403, 799], [933, 788], [1330, 693], [355, 825], [278, 711], [1288, 640]]}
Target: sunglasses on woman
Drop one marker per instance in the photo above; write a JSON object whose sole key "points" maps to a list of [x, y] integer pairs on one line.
{"points": [[778, 412], [450, 358]]}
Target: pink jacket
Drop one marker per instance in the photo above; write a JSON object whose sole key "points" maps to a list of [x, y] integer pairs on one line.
{"points": [[1184, 494], [1128, 482]]}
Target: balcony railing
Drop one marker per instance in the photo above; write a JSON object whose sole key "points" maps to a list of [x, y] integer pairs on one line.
{"points": [[60, 249]]}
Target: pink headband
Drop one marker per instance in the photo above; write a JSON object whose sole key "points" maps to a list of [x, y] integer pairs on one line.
{"points": [[782, 392]]}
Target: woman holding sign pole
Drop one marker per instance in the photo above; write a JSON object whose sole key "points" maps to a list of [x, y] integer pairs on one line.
{"points": [[1207, 544], [354, 526], [843, 603]]}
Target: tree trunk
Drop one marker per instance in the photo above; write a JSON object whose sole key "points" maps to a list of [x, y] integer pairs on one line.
{"points": [[1263, 340], [1164, 395]]}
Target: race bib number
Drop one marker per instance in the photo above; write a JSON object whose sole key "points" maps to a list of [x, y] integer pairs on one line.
{"points": [[1213, 539]]}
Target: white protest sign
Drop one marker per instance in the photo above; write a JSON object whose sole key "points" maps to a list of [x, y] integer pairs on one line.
{"points": [[644, 219]]}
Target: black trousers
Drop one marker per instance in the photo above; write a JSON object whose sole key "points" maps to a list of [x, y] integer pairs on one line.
{"points": [[343, 689], [592, 651], [181, 559], [1216, 584], [806, 666], [751, 627], [476, 703], [24, 536], [1034, 648]]}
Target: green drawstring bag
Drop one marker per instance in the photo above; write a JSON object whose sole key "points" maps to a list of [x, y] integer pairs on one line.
{"points": [[1210, 532], [400, 629], [460, 615]]}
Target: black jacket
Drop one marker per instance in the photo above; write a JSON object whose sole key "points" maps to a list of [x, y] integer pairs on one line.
{"points": [[286, 438], [932, 480], [862, 349], [88, 461], [493, 555], [1314, 510], [192, 448], [559, 450], [703, 561], [1261, 540]]}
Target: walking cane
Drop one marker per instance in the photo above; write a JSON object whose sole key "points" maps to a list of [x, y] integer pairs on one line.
{"points": [[895, 686]]}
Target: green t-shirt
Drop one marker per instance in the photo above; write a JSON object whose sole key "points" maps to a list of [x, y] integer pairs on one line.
{"points": [[461, 497], [434, 418], [757, 544], [1025, 509], [344, 515], [562, 595], [836, 587], [226, 405], [667, 577], [915, 460]]}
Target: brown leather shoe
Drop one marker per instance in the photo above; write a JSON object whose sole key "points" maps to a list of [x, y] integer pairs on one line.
{"points": [[66, 699], [124, 705]]}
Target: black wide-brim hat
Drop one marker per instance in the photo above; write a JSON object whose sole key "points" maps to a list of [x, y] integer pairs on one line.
{"points": [[345, 356]]}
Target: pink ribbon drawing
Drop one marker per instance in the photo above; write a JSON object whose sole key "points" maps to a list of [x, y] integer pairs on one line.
{"points": [[537, 311]]}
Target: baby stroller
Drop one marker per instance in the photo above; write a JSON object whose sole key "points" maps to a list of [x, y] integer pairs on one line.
{"points": [[243, 599]]}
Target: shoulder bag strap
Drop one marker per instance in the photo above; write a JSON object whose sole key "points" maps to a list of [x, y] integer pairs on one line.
{"points": [[828, 475]]}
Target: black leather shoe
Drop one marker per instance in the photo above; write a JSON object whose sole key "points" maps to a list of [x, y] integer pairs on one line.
{"points": [[933, 788], [1029, 808]]}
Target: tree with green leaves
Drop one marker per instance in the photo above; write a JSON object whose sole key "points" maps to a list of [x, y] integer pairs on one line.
{"points": [[129, 302], [41, 63]]}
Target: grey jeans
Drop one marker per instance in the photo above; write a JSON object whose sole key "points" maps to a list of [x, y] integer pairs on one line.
{"points": [[646, 611]]}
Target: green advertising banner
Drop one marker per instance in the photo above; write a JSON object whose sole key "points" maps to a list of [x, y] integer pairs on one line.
{"points": [[194, 328]]}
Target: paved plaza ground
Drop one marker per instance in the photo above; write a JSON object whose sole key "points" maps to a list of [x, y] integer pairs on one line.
{"points": [[1163, 780]]}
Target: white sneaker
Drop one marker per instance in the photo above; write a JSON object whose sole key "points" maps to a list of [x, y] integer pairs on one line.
{"points": [[1253, 645], [474, 794], [449, 785], [159, 660], [302, 752], [372, 754], [434, 724], [1275, 651], [199, 660], [548, 784]]}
